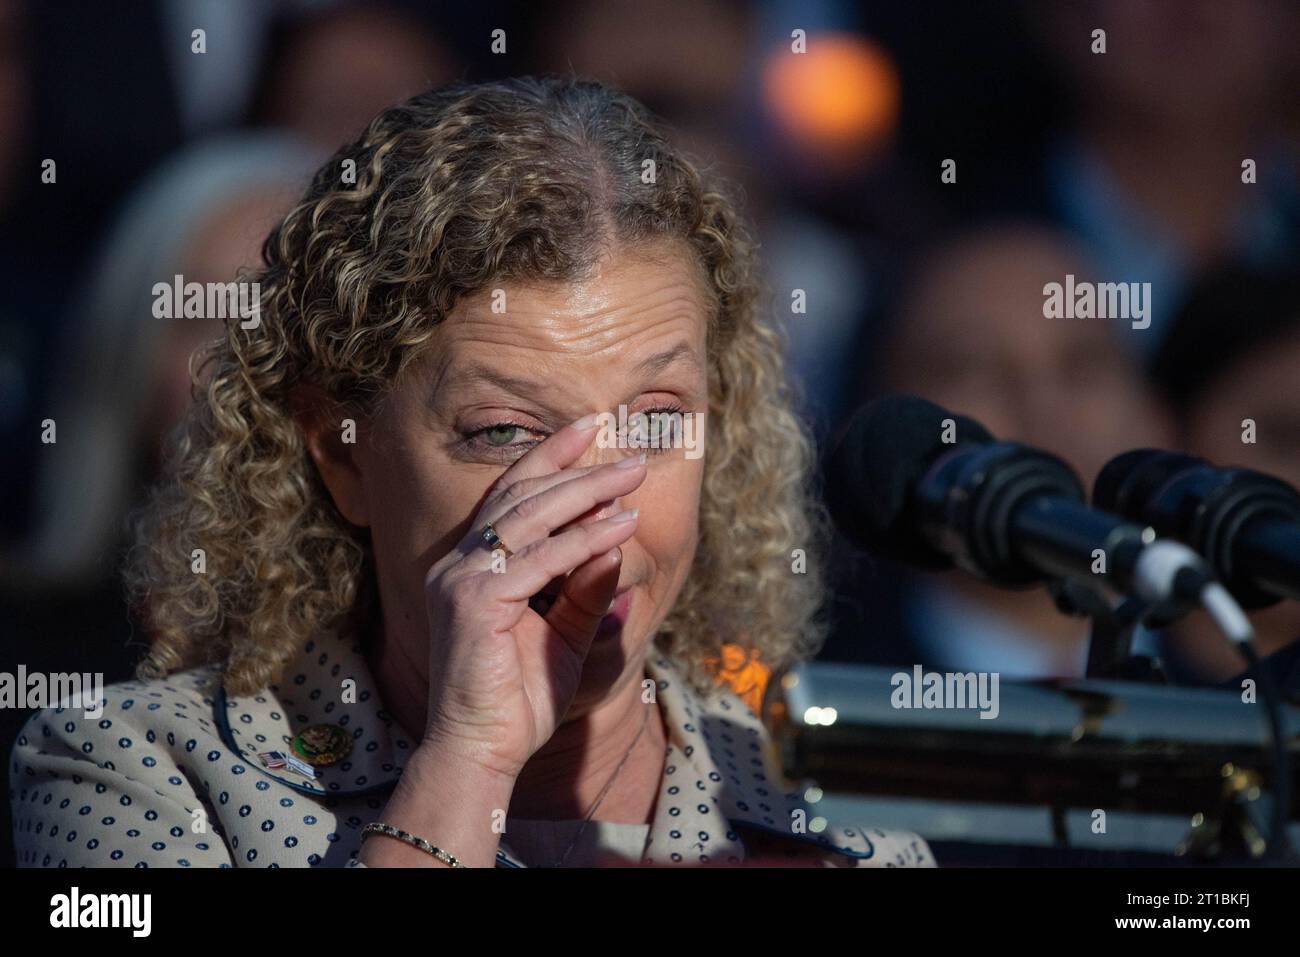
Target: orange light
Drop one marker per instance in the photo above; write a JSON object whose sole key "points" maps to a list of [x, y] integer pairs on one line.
{"points": [[840, 94], [743, 674]]}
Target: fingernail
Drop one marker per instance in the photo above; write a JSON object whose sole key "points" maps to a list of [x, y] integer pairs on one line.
{"points": [[586, 422], [630, 463], [625, 516]]}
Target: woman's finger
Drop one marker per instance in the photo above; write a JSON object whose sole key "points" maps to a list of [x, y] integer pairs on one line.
{"points": [[500, 503], [544, 465], [556, 452], [585, 599], [549, 558], [542, 514]]}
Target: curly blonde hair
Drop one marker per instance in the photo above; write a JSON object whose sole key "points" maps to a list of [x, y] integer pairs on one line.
{"points": [[517, 180]]}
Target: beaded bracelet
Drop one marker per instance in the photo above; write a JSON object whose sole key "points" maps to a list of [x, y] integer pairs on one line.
{"points": [[389, 831]]}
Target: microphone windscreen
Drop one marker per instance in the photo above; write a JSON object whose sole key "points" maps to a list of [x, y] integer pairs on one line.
{"points": [[1128, 482], [872, 471]]}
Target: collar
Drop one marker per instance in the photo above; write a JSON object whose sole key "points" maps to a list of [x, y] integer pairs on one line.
{"points": [[718, 781]]}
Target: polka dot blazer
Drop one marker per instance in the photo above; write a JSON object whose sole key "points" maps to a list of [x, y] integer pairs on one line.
{"points": [[169, 775]]}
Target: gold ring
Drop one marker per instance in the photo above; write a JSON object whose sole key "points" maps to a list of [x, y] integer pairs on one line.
{"points": [[493, 540]]}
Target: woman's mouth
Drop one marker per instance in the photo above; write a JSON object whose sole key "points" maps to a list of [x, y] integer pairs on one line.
{"points": [[611, 624]]}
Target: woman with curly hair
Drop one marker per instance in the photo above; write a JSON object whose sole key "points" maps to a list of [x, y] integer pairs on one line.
{"points": [[416, 595]]}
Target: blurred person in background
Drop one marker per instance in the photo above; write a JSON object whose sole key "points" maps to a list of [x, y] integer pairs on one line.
{"points": [[122, 385], [14, 94], [126, 375], [846, 204], [970, 335], [328, 72], [20, 309], [1232, 355], [88, 107], [689, 61], [1150, 174]]}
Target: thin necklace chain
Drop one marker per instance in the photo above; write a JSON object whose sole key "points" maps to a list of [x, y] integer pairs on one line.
{"points": [[645, 721]]}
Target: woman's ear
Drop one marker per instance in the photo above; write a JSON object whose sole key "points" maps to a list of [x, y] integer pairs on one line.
{"points": [[331, 441]]}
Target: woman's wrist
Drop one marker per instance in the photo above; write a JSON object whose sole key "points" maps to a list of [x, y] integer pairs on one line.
{"points": [[449, 800]]}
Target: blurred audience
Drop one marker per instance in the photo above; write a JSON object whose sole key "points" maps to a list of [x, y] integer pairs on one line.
{"points": [[122, 381], [171, 162], [202, 215], [328, 72], [969, 334], [1150, 172], [14, 95], [1232, 361], [837, 150], [21, 358]]}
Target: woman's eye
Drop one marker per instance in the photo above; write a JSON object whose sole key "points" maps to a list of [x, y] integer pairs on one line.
{"points": [[500, 435], [655, 430], [501, 440]]}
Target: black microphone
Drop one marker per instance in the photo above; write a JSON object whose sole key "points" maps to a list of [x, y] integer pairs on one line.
{"points": [[1246, 524], [913, 482]]}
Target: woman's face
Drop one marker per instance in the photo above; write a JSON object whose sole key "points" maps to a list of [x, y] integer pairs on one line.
{"points": [[507, 369]]}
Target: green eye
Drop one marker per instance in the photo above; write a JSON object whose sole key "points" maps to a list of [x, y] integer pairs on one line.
{"points": [[499, 435]]}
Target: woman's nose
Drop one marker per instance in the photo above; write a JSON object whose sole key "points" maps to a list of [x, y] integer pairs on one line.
{"points": [[598, 456]]}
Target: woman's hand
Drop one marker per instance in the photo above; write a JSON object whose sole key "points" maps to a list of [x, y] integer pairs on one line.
{"points": [[501, 676]]}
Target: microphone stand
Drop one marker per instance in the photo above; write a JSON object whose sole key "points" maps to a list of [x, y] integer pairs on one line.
{"points": [[1110, 657], [1110, 641]]}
